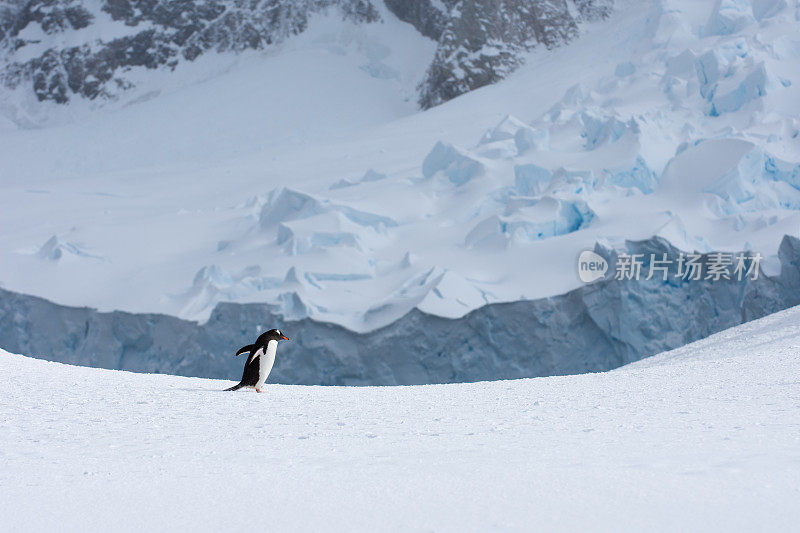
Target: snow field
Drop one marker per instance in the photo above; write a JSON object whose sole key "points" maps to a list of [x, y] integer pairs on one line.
{"points": [[706, 437]]}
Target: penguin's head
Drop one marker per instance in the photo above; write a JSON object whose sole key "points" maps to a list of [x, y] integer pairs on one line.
{"points": [[275, 334]]}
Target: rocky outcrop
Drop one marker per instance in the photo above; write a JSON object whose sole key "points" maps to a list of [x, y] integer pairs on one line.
{"points": [[484, 40], [429, 17], [596, 327]]}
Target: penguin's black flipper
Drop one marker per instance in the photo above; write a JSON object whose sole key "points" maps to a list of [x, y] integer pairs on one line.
{"points": [[243, 349], [235, 387]]}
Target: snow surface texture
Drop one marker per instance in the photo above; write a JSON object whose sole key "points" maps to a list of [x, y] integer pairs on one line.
{"points": [[215, 183], [597, 327], [703, 438]]}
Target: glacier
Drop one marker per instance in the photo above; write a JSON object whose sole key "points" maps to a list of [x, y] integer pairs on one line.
{"points": [[597, 327]]}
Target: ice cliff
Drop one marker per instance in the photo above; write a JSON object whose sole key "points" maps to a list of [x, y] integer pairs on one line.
{"points": [[596, 327]]}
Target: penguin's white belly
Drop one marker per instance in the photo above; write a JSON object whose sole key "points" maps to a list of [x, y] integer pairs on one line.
{"points": [[265, 363]]}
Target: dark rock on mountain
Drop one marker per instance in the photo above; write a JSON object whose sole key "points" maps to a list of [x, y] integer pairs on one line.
{"points": [[429, 17], [485, 40], [162, 33]]}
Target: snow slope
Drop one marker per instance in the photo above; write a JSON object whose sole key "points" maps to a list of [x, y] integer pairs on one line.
{"points": [[301, 180], [702, 438]]}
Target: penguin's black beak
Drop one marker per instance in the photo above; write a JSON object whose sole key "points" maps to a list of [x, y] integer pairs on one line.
{"points": [[284, 337]]}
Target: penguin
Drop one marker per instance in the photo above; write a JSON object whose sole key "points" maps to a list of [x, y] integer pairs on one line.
{"points": [[259, 362]]}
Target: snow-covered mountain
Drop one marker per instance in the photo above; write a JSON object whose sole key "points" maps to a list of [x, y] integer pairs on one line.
{"points": [[62, 49], [302, 177], [701, 438]]}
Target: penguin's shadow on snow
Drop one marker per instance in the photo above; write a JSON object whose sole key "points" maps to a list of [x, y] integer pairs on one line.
{"points": [[198, 389]]}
